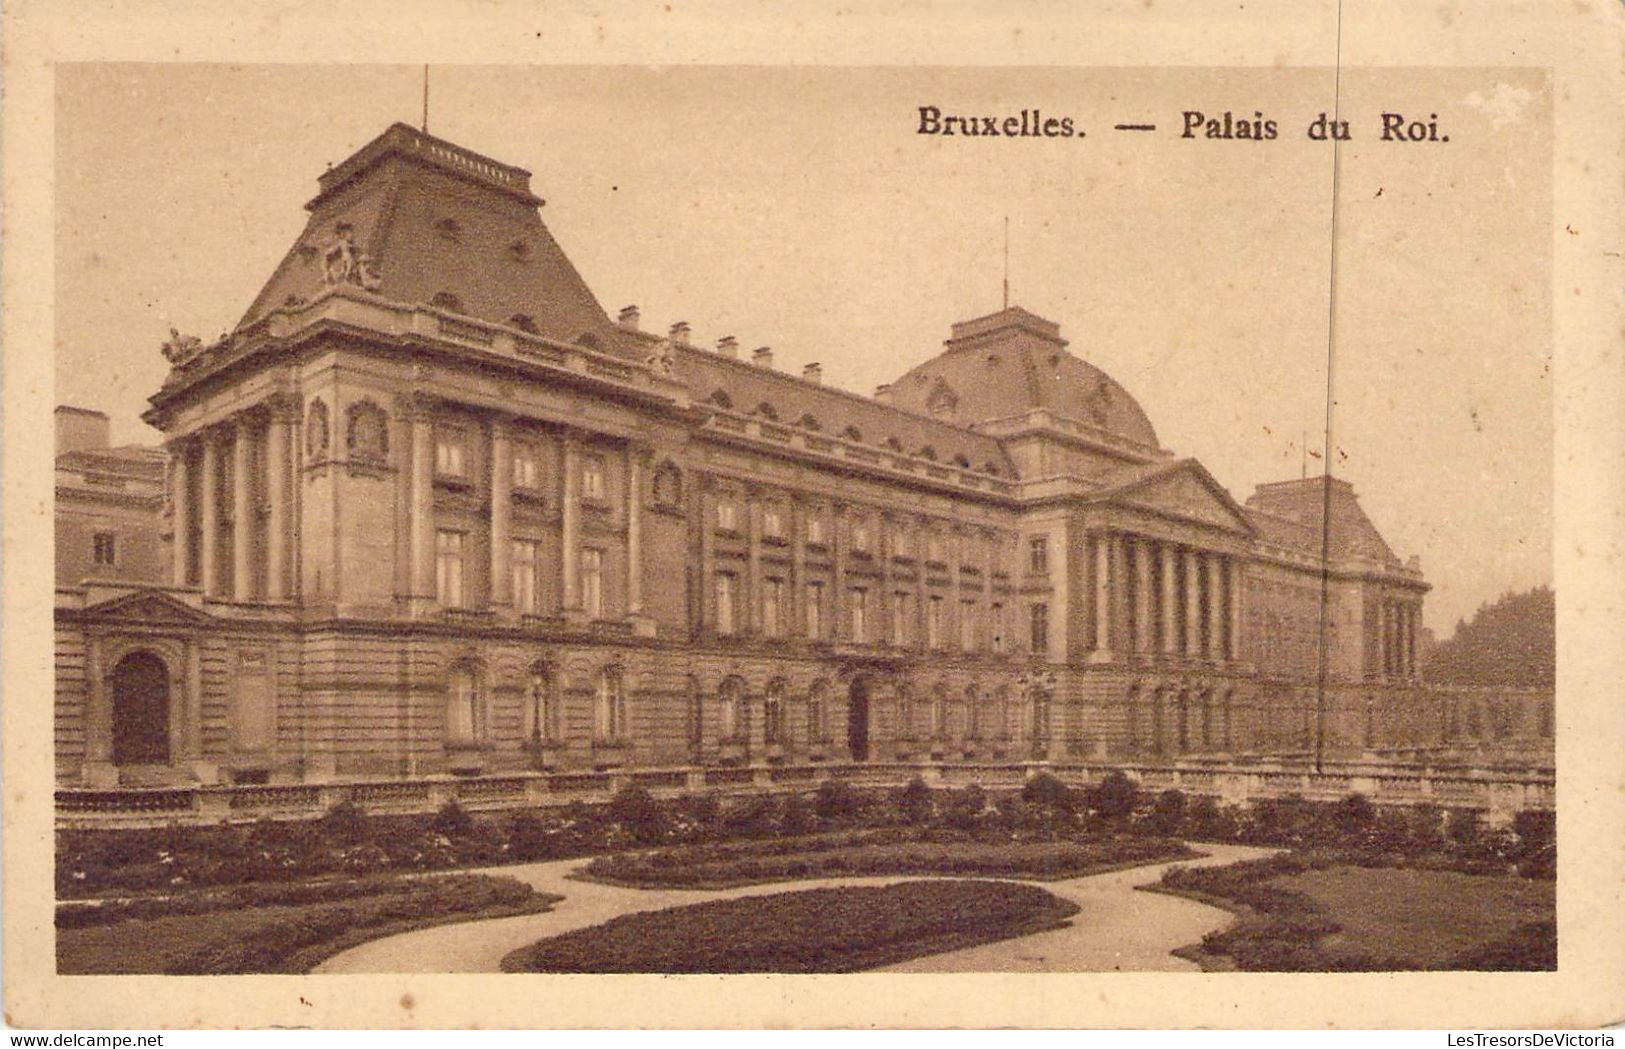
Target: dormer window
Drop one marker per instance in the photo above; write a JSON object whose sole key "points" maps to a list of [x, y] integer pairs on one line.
{"points": [[852, 433], [445, 300], [809, 422], [587, 340], [448, 229], [962, 461], [894, 444], [928, 452], [767, 411], [519, 251], [524, 322]]}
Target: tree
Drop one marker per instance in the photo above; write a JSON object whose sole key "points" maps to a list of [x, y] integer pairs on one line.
{"points": [[1511, 642], [1113, 798]]}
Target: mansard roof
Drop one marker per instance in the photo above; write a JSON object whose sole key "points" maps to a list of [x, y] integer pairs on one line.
{"points": [[419, 220], [1289, 514]]}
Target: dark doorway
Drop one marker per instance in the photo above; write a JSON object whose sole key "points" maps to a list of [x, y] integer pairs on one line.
{"points": [[857, 719], [140, 687]]}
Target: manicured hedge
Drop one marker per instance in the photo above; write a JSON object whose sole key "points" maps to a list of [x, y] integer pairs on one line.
{"points": [[817, 931]]}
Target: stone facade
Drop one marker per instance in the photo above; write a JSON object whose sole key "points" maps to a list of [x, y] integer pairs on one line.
{"points": [[434, 511]]}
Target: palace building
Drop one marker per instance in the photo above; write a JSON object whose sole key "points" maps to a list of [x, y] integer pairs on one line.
{"points": [[430, 510]]}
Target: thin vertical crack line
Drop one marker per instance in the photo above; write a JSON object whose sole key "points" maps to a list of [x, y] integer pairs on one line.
{"points": [[1326, 444]]}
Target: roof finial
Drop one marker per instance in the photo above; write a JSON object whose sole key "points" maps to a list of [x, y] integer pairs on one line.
{"points": [[1007, 260], [425, 98]]}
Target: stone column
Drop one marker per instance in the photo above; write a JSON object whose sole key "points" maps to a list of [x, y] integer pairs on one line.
{"points": [[209, 514], [922, 593], [570, 527], [838, 626], [277, 484], [1143, 591], [423, 582], [1102, 602], [242, 512], [1215, 608], [634, 531], [705, 596], [797, 625], [888, 530], [1232, 596], [1170, 601], [180, 503], [1119, 595], [500, 590], [1193, 605]]}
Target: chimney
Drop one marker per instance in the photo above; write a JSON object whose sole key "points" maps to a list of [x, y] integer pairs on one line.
{"points": [[628, 317], [762, 357], [80, 430], [728, 346], [883, 393], [679, 333], [813, 372]]}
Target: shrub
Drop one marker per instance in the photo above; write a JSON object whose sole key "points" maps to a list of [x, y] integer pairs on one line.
{"points": [[963, 809], [1167, 816], [1425, 824], [836, 801], [797, 815], [1464, 826], [1354, 815], [635, 810], [452, 821], [1046, 791], [752, 817], [1535, 831], [914, 804], [701, 808], [345, 823], [1113, 798]]}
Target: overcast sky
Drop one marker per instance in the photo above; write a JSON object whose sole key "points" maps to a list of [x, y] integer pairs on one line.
{"points": [[800, 208]]}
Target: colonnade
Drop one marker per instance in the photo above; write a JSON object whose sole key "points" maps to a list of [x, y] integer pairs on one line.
{"points": [[1154, 598]]}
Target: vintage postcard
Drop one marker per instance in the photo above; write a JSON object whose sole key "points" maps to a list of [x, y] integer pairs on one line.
{"points": [[524, 525]]}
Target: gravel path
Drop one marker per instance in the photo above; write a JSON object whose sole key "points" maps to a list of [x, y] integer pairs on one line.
{"points": [[1117, 928]]}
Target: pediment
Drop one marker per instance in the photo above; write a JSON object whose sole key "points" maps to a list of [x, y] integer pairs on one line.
{"points": [[150, 607], [1188, 492]]}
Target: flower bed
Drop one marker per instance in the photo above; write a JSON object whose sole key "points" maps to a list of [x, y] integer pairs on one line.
{"points": [[817, 931]]}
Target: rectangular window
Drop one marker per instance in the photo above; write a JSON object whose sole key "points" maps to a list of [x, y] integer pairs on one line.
{"points": [[996, 626], [934, 549], [592, 583], [525, 473], [592, 477], [526, 560], [899, 544], [727, 590], [933, 622], [772, 603], [860, 615], [815, 528], [727, 516], [105, 550], [899, 618], [448, 546], [860, 535], [967, 625], [815, 611], [1038, 555], [772, 522], [448, 452], [1040, 624]]}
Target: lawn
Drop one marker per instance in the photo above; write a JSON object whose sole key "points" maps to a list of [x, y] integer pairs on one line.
{"points": [[815, 931], [1428, 917], [713, 868], [287, 929]]}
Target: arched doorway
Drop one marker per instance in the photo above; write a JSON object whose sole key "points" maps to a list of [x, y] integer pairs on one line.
{"points": [[857, 719], [140, 690]]}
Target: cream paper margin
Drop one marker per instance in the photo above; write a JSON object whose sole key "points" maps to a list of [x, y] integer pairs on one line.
{"points": [[1579, 42]]}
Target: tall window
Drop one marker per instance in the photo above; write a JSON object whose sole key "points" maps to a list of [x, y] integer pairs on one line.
{"points": [[526, 559], [933, 622], [899, 618], [899, 543], [732, 702], [860, 615], [104, 548], [860, 535], [448, 452], [592, 477], [815, 611], [727, 515], [773, 713], [815, 527], [609, 707], [464, 706], [772, 521], [525, 473], [996, 626], [934, 549], [1040, 628], [772, 602], [939, 714], [727, 590], [592, 583], [967, 624], [973, 714], [448, 564], [815, 713], [905, 714], [539, 711], [1038, 555]]}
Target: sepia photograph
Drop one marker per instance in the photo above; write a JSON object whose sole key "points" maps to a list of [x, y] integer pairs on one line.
{"points": [[731, 519]]}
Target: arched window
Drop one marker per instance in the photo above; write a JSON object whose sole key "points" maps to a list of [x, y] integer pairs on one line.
{"points": [[1006, 713], [609, 707], [139, 687], [928, 452], [973, 714], [541, 715], [465, 705], [767, 411], [852, 433], [817, 705], [809, 422], [773, 713], [721, 399], [587, 340], [939, 713], [905, 713], [524, 322], [731, 699], [894, 444], [445, 300]]}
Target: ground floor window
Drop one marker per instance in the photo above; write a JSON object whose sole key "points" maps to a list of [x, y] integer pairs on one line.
{"points": [[609, 707], [464, 705]]}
